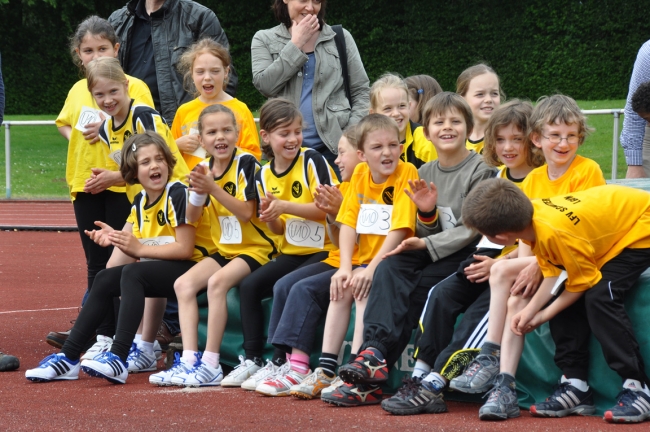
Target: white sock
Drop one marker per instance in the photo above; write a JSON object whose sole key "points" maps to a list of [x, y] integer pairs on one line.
{"points": [[436, 379], [137, 339], [577, 383], [189, 357], [635, 385], [421, 369], [211, 359], [146, 347]]}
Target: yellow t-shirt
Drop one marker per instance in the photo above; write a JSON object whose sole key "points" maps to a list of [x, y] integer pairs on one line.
{"points": [[155, 224], [417, 150], [582, 231], [141, 118], [582, 174], [334, 257], [374, 210], [83, 156], [477, 146], [298, 184], [504, 173], [232, 236], [186, 123]]}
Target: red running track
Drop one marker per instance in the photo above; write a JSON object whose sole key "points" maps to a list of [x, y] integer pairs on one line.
{"points": [[52, 215], [42, 278]]}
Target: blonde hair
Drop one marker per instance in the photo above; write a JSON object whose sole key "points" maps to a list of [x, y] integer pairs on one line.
{"points": [[445, 102], [562, 109], [466, 77], [374, 122], [517, 113], [186, 63], [350, 134], [421, 89], [388, 80], [129, 165], [274, 114], [104, 67]]}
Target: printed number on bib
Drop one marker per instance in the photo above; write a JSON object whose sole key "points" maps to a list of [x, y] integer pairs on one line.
{"points": [[116, 156], [447, 218], [374, 219], [86, 116], [200, 151], [305, 233], [156, 241], [230, 230], [485, 243]]}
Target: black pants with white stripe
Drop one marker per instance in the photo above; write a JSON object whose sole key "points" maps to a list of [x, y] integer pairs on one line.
{"points": [[133, 282], [398, 294], [601, 310], [436, 338]]}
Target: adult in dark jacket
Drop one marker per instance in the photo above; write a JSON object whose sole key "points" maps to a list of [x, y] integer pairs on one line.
{"points": [[153, 35]]}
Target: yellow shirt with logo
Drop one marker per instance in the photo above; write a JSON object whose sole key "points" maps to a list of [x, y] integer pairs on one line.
{"points": [[364, 191], [417, 150], [141, 118], [234, 237], [155, 224], [334, 257], [582, 174], [582, 231], [477, 146], [298, 184], [186, 123], [82, 156]]}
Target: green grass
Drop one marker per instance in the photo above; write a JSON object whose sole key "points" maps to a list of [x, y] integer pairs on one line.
{"points": [[38, 153]]}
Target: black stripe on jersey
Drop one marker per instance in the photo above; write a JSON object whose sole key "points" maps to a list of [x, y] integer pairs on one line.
{"points": [[177, 193], [232, 158], [248, 167], [144, 115], [274, 252], [511, 178], [117, 128], [321, 166], [203, 250], [293, 163], [103, 133], [409, 156]]}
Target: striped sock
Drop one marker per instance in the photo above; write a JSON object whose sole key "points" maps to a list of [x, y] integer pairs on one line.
{"points": [[328, 363], [299, 363]]}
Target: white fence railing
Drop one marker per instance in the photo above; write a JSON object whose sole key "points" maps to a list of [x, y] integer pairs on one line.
{"points": [[9, 123]]}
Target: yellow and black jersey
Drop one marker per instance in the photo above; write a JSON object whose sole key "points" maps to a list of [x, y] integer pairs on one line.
{"points": [[417, 150], [477, 145], [232, 236], [141, 118], [298, 184], [155, 224], [504, 173], [80, 109]]}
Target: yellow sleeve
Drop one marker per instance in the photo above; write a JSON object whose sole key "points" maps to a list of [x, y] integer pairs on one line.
{"points": [[139, 91], [319, 172], [423, 148], [404, 210], [577, 257], [249, 139], [176, 124], [68, 113], [591, 176], [349, 211], [133, 219]]}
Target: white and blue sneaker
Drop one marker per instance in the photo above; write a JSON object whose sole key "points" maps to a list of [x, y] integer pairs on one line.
{"points": [[164, 378], [203, 375], [107, 366], [53, 368], [157, 349], [102, 345], [182, 373], [140, 361]]}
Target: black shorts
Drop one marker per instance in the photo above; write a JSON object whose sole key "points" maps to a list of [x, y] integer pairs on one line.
{"points": [[253, 264]]}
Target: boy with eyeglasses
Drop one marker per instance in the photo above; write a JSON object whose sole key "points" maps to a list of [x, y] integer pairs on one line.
{"points": [[558, 127]]}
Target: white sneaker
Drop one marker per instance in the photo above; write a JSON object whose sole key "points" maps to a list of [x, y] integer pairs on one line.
{"points": [[157, 349], [241, 373], [52, 368], [179, 377], [140, 361], [280, 384], [311, 386], [203, 375], [102, 345], [258, 377], [164, 378], [338, 382], [108, 366]]}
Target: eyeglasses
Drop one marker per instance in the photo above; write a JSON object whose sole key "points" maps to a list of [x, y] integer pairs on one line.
{"points": [[556, 139]]}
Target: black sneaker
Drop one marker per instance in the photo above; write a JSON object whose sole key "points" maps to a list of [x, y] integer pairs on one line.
{"points": [[8, 362], [415, 397], [352, 395], [566, 400], [365, 369], [502, 402], [632, 407]]}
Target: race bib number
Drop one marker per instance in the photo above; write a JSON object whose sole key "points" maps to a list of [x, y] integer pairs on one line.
{"points": [[86, 116], [485, 243], [116, 156], [230, 230], [200, 151], [305, 233], [374, 219], [156, 241], [447, 218], [558, 283]]}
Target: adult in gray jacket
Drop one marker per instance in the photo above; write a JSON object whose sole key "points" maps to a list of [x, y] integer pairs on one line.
{"points": [[299, 60], [153, 35]]}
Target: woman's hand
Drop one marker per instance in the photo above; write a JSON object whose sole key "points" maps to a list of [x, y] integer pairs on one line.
{"points": [[188, 143], [328, 199], [101, 179], [100, 236], [424, 197], [303, 31]]}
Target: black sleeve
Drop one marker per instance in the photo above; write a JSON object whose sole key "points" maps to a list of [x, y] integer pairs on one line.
{"points": [[248, 168], [177, 203]]}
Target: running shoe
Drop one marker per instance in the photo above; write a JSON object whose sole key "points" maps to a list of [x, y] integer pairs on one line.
{"points": [[164, 378], [338, 382], [352, 395], [502, 402], [202, 375], [140, 361], [632, 407], [8, 362], [365, 369], [479, 375], [53, 368], [243, 371], [416, 397], [263, 374], [280, 384], [564, 401], [157, 349], [312, 385], [107, 366], [102, 345]]}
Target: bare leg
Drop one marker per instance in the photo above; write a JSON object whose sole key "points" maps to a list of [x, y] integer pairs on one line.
{"points": [[512, 345], [357, 339], [337, 322]]}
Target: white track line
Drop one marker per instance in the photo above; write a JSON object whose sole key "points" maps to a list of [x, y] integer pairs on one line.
{"points": [[38, 310]]}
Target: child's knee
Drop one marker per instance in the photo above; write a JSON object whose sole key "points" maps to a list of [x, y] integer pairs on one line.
{"points": [[217, 288], [516, 303]]}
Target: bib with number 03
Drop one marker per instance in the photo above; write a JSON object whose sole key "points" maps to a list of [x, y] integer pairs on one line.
{"points": [[446, 217], [305, 233], [374, 219], [156, 241], [230, 230]]}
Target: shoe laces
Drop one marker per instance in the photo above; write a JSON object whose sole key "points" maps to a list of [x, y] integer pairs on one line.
{"points": [[473, 367], [106, 357], [177, 360], [135, 351], [51, 359], [409, 386], [626, 397], [242, 362], [270, 366]]}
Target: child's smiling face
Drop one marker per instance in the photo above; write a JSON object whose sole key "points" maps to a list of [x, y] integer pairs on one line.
{"points": [[447, 131], [483, 96], [562, 153], [510, 147], [394, 103]]}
